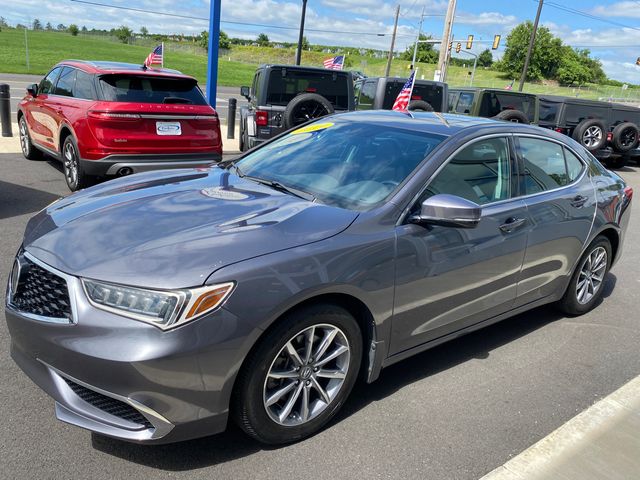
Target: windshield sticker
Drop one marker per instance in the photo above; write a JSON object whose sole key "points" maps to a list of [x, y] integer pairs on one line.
{"points": [[291, 139], [312, 128]]}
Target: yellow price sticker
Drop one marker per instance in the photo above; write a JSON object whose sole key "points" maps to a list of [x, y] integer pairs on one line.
{"points": [[312, 128]]}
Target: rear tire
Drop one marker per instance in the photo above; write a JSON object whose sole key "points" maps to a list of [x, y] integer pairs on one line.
{"points": [[305, 107], [625, 137], [74, 174], [261, 409], [29, 151], [587, 282], [419, 106], [515, 116], [591, 133]]}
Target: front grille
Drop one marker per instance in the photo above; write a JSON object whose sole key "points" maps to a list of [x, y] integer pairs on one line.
{"points": [[41, 292], [109, 405]]}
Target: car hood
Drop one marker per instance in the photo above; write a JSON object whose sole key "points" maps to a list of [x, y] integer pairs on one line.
{"points": [[173, 228]]}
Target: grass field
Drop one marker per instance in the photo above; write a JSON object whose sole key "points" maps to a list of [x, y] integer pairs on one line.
{"points": [[237, 67]]}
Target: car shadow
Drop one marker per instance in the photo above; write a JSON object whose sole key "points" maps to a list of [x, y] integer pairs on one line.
{"points": [[234, 444], [18, 200]]}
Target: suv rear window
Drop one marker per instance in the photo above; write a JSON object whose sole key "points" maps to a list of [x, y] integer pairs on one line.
{"points": [[147, 89], [549, 112], [493, 103], [576, 112], [432, 94], [282, 90]]}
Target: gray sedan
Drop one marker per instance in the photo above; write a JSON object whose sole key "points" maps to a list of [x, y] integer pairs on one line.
{"points": [[155, 307]]}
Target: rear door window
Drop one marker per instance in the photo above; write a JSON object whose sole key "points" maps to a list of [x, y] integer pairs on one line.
{"points": [[575, 113], [148, 89], [545, 167], [464, 102], [48, 82], [84, 86], [334, 86], [367, 94], [67, 80], [549, 112], [432, 94], [493, 103]]}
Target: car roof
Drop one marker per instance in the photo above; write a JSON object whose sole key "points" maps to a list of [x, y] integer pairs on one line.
{"points": [[404, 80], [586, 101], [99, 66], [301, 67], [497, 90], [447, 124]]}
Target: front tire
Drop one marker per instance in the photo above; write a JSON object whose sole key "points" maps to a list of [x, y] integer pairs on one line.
{"points": [[299, 375], [587, 281], [29, 151], [74, 174]]}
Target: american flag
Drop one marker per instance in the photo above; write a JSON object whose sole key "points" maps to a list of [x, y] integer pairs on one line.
{"points": [[510, 86], [334, 63], [155, 57], [403, 98]]}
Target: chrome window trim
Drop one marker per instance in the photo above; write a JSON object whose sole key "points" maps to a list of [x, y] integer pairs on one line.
{"points": [[73, 286], [405, 212]]}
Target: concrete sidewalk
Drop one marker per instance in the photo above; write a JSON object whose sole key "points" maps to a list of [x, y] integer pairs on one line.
{"points": [[12, 144], [603, 442]]}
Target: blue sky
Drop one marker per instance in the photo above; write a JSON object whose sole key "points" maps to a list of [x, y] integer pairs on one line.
{"points": [[610, 27]]}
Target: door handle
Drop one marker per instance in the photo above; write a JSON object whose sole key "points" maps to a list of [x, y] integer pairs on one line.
{"points": [[512, 224], [579, 201]]}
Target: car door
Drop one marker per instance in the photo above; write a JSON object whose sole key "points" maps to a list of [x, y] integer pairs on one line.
{"points": [[451, 278], [561, 202], [40, 121], [62, 104]]}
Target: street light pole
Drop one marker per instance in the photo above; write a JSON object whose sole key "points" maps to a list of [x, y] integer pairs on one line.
{"points": [[415, 47], [532, 41], [301, 36], [393, 42]]}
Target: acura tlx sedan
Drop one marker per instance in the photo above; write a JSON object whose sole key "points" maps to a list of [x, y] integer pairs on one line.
{"points": [[154, 307]]}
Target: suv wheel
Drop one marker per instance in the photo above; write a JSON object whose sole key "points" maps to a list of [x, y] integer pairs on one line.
{"points": [[28, 150], [585, 287], [299, 375], [591, 134], [625, 137], [305, 107], [419, 106], [74, 174], [515, 116]]}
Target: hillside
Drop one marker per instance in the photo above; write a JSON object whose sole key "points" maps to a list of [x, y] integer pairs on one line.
{"points": [[237, 67]]}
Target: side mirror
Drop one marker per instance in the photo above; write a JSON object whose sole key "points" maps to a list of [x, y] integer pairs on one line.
{"points": [[245, 92], [33, 89], [448, 211]]}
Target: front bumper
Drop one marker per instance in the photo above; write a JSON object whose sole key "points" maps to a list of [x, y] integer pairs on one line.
{"points": [[129, 380], [113, 164]]}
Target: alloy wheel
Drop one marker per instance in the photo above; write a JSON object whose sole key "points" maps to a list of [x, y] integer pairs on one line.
{"points": [[70, 164], [628, 137], [592, 137], [306, 375], [309, 110], [24, 137], [591, 275]]}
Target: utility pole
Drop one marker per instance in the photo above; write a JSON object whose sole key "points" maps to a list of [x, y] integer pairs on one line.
{"points": [[415, 47], [393, 42], [448, 23], [532, 41], [26, 48], [301, 36]]}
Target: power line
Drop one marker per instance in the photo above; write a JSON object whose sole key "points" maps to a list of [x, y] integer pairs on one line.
{"points": [[263, 25], [588, 15]]}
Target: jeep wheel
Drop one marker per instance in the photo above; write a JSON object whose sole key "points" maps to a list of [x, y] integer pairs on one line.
{"points": [[419, 106], [515, 116], [591, 134], [625, 137], [305, 107]]}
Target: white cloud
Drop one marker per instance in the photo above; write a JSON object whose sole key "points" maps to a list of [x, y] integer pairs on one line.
{"points": [[618, 9]]}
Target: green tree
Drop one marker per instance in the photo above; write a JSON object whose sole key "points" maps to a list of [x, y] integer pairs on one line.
{"points": [[84, 29], [485, 59], [73, 29], [49, 27], [305, 43], [546, 56], [203, 40], [37, 25], [263, 40], [425, 54], [3, 22], [61, 27], [143, 31], [224, 42], [123, 33]]}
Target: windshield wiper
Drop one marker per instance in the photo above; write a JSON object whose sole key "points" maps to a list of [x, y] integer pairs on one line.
{"points": [[279, 186]]}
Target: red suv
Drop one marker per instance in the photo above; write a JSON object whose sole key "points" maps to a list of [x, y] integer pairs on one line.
{"points": [[105, 118]]}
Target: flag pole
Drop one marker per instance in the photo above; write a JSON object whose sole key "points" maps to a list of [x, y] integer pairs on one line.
{"points": [[415, 72]]}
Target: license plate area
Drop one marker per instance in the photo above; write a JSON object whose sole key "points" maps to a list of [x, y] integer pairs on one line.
{"points": [[168, 128]]}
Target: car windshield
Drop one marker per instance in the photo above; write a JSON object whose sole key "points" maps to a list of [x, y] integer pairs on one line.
{"points": [[148, 89], [285, 84], [347, 164]]}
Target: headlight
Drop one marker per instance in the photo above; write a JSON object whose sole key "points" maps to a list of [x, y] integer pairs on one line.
{"points": [[163, 308]]}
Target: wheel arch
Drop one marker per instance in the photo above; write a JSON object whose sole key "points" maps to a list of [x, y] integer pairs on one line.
{"points": [[613, 235]]}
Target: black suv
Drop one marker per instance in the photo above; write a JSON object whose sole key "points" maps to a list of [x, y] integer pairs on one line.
{"points": [[494, 103], [381, 92], [609, 130], [283, 96]]}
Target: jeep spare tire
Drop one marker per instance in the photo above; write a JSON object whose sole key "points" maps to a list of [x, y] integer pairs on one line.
{"points": [[305, 107], [625, 137], [419, 106], [515, 116], [591, 133]]}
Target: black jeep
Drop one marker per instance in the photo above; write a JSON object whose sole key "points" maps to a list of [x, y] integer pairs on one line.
{"points": [[283, 96], [376, 93], [494, 103], [608, 130]]}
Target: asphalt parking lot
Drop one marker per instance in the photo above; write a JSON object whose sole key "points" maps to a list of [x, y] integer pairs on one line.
{"points": [[455, 412]]}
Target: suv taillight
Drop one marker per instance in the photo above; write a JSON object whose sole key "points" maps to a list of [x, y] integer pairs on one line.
{"points": [[609, 136], [628, 192], [100, 115], [262, 118]]}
